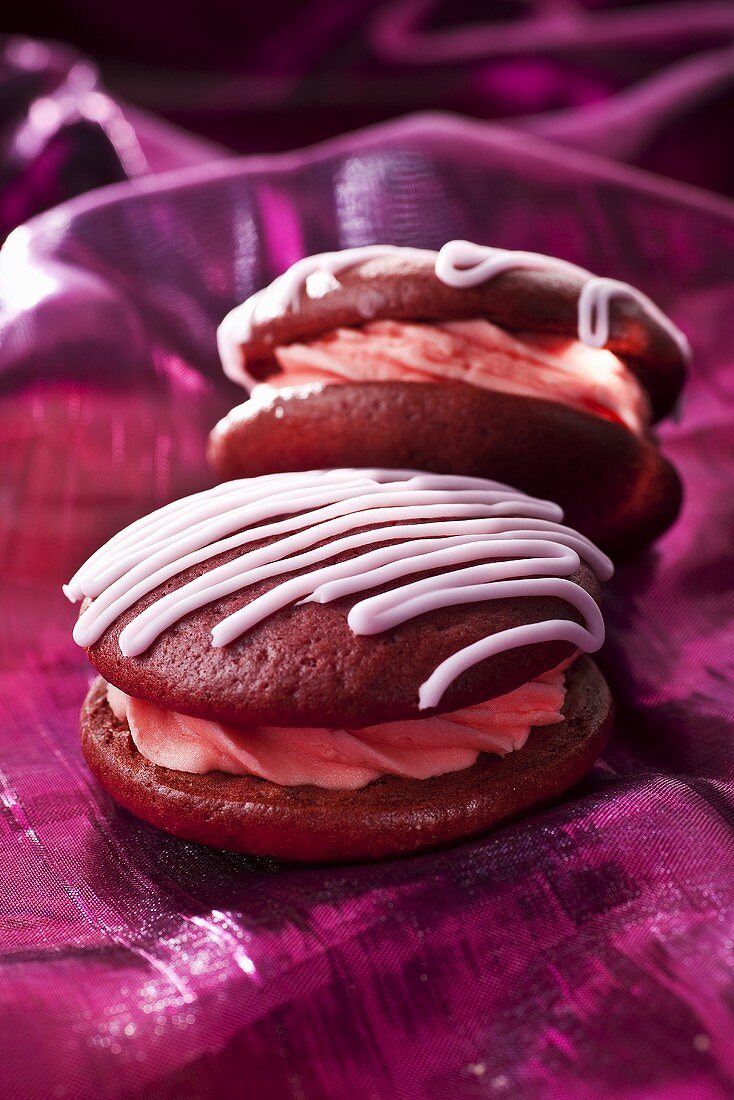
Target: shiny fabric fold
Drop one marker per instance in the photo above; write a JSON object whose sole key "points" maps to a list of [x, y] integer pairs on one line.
{"points": [[586, 951]]}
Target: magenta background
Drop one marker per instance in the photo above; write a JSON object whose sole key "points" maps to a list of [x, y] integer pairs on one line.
{"points": [[588, 951], [650, 82]]}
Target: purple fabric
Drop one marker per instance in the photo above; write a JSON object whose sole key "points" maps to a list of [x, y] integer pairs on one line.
{"points": [[584, 952], [61, 134], [651, 83]]}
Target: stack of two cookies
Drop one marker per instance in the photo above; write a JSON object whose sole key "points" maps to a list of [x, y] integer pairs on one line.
{"points": [[374, 639]]}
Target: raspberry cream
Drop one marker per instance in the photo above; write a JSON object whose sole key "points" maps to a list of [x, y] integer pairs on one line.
{"points": [[476, 352], [341, 759]]}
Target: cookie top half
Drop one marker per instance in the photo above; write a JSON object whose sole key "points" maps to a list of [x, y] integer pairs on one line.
{"points": [[339, 597], [518, 291]]}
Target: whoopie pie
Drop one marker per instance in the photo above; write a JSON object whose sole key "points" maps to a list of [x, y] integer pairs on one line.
{"points": [[343, 664], [471, 360]]}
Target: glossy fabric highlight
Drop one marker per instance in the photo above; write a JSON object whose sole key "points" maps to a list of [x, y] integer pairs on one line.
{"points": [[585, 951]]}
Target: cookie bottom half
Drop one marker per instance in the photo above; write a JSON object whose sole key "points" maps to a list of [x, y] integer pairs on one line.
{"points": [[390, 817]]}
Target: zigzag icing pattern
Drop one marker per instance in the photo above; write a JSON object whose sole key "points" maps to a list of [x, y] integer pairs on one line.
{"points": [[488, 540]]}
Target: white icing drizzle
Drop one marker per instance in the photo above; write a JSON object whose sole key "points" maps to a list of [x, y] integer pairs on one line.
{"points": [[459, 264], [316, 274], [489, 540]]}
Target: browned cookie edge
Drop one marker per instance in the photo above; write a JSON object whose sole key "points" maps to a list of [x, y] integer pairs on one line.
{"points": [[390, 817], [615, 487]]}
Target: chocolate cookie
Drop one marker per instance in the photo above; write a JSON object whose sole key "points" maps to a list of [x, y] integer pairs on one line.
{"points": [[342, 641], [402, 284], [390, 817], [545, 448], [302, 663], [599, 416]]}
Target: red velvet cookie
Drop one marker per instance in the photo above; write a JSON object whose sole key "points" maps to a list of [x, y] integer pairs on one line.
{"points": [[390, 817], [284, 649], [576, 367], [460, 429]]}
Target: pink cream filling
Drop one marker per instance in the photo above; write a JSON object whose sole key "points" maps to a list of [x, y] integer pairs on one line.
{"points": [[477, 352], [341, 759]]}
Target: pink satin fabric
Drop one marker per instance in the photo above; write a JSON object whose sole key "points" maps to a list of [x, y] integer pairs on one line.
{"points": [[585, 951]]}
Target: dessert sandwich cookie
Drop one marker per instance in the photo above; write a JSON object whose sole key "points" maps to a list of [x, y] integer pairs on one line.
{"points": [[342, 665], [471, 360]]}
